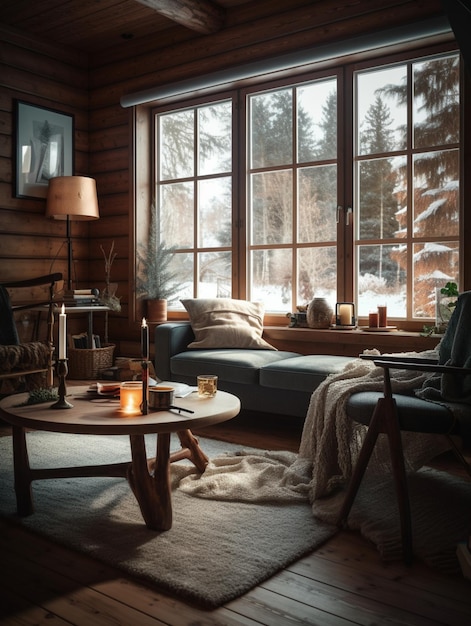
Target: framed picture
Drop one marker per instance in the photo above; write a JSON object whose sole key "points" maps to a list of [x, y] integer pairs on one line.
{"points": [[44, 148]]}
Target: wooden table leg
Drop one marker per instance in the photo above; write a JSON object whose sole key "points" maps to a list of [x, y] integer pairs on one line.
{"points": [[195, 453], [152, 492], [24, 496]]}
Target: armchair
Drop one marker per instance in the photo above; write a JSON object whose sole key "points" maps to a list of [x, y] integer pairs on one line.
{"points": [[442, 406], [30, 363]]}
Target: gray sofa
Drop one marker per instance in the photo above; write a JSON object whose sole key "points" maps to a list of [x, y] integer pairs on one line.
{"points": [[265, 380]]}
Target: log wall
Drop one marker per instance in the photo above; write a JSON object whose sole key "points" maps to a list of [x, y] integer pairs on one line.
{"points": [[91, 89]]}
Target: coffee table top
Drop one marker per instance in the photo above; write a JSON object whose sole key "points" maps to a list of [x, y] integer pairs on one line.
{"points": [[92, 415]]}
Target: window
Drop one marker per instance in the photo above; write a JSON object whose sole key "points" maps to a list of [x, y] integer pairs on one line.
{"points": [[343, 184], [194, 191], [407, 168]]}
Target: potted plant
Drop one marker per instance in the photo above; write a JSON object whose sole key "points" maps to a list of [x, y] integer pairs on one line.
{"points": [[156, 282]]}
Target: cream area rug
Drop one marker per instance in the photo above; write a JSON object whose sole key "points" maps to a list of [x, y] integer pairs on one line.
{"points": [[217, 549]]}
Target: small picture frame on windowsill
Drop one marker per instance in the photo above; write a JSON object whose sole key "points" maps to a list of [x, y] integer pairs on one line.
{"points": [[44, 148]]}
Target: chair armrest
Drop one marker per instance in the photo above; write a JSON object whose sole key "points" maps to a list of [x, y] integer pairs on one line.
{"points": [[420, 365], [170, 339], [391, 358], [48, 279]]}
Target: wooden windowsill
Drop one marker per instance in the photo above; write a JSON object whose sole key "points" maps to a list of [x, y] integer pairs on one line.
{"points": [[348, 342]]}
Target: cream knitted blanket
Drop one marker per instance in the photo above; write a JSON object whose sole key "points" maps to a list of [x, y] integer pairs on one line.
{"points": [[328, 450], [332, 441]]}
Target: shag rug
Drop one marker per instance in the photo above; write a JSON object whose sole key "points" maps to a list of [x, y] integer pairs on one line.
{"points": [[440, 511], [216, 549]]}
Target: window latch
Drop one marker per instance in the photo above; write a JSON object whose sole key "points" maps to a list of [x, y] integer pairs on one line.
{"points": [[347, 215]]}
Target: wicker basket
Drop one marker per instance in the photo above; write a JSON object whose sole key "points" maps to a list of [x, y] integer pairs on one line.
{"points": [[89, 363]]}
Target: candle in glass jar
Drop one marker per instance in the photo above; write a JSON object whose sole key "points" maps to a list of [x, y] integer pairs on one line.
{"points": [[382, 316], [144, 340], [373, 320], [62, 334], [130, 397]]}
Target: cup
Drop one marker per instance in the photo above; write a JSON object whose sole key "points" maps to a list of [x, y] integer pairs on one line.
{"points": [[160, 398], [130, 396], [373, 320], [382, 316], [207, 385]]}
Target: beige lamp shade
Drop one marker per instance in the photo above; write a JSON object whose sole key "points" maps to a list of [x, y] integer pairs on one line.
{"points": [[72, 197]]}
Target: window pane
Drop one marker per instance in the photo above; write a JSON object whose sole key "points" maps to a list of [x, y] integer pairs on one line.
{"points": [[271, 129], [317, 192], [176, 143], [435, 264], [272, 208], [183, 267], [214, 275], [317, 121], [436, 102], [271, 277], [379, 214], [176, 210], [317, 274], [382, 110], [214, 212], [436, 194], [382, 279], [215, 145]]}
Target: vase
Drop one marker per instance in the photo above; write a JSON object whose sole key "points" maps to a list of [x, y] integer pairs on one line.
{"points": [[319, 313]]}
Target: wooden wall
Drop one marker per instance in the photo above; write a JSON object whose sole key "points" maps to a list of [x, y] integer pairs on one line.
{"points": [[91, 89]]}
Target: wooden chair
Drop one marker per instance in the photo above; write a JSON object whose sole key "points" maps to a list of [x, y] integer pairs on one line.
{"points": [[29, 363], [391, 413]]}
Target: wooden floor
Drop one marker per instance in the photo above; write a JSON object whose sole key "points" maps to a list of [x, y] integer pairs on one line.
{"points": [[343, 582]]}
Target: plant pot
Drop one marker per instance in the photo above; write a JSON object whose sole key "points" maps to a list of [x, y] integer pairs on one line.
{"points": [[156, 310]]}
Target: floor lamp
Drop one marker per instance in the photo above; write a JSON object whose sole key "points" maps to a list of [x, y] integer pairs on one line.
{"points": [[72, 198]]}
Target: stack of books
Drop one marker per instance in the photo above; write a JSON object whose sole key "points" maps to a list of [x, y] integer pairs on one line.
{"points": [[81, 297], [82, 341]]}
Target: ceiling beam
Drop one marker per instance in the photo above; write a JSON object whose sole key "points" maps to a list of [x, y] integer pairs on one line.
{"points": [[200, 15]]}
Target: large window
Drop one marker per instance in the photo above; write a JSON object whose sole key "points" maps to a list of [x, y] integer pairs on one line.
{"points": [[407, 166], [343, 185]]}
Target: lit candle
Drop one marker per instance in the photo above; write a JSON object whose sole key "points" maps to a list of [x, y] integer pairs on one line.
{"points": [[62, 334], [144, 340], [130, 397], [345, 314]]}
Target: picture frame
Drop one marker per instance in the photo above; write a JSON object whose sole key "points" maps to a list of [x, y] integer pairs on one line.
{"points": [[44, 148]]}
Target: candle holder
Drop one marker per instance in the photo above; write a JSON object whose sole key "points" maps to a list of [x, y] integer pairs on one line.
{"points": [[145, 388], [345, 315], [62, 371]]}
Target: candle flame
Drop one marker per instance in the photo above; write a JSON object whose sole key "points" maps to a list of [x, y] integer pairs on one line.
{"points": [[63, 309], [144, 322]]}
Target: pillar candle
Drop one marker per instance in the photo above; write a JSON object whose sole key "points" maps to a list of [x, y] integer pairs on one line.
{"points": [[62, 334], [345, 314], [144, 340]]}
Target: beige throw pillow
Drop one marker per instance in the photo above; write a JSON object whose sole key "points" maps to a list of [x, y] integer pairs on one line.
{"points": [[226, 323]]}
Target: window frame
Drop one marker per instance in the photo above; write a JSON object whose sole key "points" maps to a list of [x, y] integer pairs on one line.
{"points": [[144, 166]]}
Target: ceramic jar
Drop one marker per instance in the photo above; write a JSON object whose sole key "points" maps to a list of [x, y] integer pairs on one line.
{"points": [[319, 313]]}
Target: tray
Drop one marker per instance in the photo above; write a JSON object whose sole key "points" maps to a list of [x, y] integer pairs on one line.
{"points": [[378, 329]]}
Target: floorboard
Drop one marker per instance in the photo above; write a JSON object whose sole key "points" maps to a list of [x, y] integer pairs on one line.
{"points": [[344, 582]]}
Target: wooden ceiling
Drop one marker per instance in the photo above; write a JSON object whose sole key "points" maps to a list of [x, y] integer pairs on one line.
{"points": [[95, 25]]}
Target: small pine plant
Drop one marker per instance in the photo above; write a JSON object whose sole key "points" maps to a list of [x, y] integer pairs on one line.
{"points": [[155, 279]]}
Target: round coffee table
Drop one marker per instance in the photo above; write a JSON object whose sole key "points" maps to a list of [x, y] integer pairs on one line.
{"points": [[148, 478]]}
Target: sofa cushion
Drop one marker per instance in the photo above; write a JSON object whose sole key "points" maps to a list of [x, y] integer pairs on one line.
{"points": [[303, 373], [238, 366], [226, 323]]}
